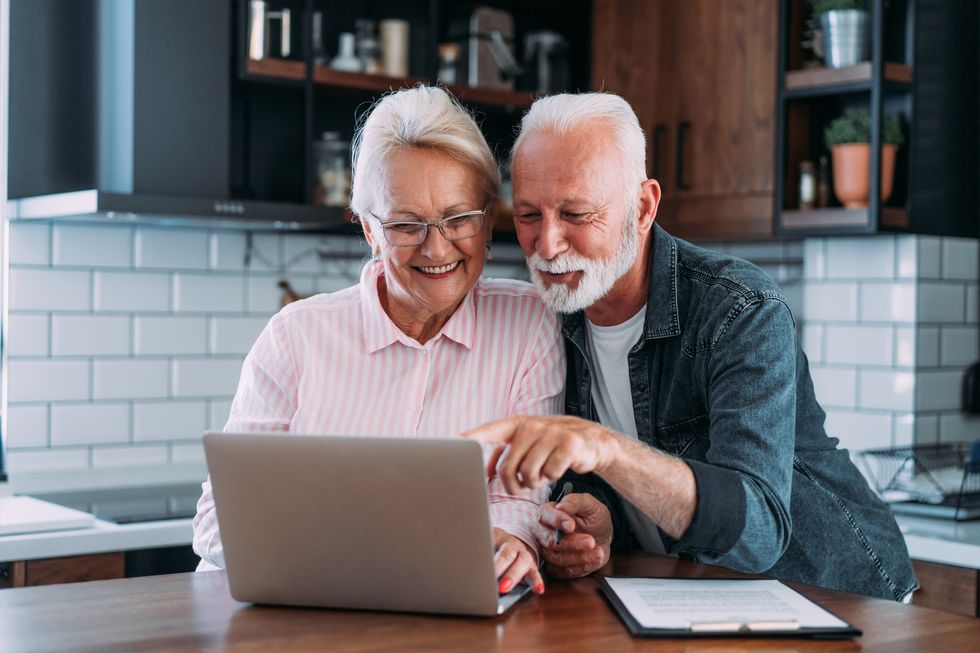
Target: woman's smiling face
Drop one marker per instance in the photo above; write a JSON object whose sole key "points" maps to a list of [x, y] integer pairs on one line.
{"points": [[423, 284]]}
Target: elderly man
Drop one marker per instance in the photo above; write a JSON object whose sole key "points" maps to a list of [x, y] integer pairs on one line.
{"points": [[692, 426]]}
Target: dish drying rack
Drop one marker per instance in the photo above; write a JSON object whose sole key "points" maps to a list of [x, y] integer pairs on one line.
{"points": [[941, 480]]}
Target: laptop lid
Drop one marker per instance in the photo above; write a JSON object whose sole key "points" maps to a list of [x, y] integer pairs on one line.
{"points": [[355, 522]]}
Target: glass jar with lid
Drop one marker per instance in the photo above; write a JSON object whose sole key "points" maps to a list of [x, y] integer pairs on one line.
{"points": [[332, 170]]}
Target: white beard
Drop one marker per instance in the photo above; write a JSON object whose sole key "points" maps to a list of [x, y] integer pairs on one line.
{"points": [[597, 279]]}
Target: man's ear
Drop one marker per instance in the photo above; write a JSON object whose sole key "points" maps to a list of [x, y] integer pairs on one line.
{"points": [[648, 204]]}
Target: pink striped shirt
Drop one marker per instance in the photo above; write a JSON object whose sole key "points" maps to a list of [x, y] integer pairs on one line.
{"points": [[336, 364]]}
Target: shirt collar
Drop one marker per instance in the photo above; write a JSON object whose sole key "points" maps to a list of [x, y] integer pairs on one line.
{"points": [[380, 332]]}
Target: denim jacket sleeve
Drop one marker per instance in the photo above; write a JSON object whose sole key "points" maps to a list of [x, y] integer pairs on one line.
{"points": [[742, 517]]}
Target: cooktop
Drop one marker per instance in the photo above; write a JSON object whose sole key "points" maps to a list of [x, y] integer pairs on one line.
{"points": [[132, 504]]}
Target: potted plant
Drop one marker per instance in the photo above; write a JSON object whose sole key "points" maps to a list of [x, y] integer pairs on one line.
{"points": [[846, 31], [848, 138]]}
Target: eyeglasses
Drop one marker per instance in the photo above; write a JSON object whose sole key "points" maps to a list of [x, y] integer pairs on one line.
{"points": [[411, 233]]}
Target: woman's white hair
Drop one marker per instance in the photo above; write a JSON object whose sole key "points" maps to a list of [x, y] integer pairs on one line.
{"points": [[560, 114], [422, 117]]}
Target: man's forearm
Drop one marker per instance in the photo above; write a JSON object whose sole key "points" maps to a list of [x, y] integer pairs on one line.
{"points": [[661, 486]]}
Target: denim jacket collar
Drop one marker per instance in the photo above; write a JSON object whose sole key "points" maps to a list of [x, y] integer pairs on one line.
{"points": [[662, 317]]}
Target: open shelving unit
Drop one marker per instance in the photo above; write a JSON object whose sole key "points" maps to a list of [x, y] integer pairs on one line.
{"points": [[281, 105], [810, 97], [923, 69]]}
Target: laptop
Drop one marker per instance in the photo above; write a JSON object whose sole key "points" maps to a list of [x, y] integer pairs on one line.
{"points": [[367, 523]]}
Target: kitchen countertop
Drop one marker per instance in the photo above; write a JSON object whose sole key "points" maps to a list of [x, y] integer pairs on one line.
{"points": [[932, 540], [104, 537], [943, 541]]}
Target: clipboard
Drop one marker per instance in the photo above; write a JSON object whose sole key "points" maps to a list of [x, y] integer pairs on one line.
{"points": [[713, 627]]}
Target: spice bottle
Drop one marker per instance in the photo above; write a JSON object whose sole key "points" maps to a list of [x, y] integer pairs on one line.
{"points": [[332, 171], [808, 185], [448, 59]]}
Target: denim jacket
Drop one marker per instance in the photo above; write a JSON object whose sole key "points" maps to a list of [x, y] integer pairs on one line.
{"points": [[719, 380]]}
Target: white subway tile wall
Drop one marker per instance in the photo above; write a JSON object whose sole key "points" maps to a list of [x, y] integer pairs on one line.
{"points": [[169, 420], [90, 335], [42, 289], [130, 456], [172, 249], [30, 244], [865, 258], [135, 378], [170, 335], [27, 426], [913, 332], [235, 335], [80, 424], [34, 379], [209, 293], [206, 377], [959, 259], [125, 343], [930, 257], [29, 335], [132, 291], [79, 245]]}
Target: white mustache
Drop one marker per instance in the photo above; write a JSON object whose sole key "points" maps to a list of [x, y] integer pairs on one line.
{"points": [[559, 265]]}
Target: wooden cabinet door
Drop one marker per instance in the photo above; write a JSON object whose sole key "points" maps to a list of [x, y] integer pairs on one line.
{"points": [[629, 38], [48, 571], [701, 75], [945, 587]]}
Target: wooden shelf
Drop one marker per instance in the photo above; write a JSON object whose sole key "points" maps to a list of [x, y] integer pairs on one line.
{"points": [[293, 71], [832, 218], [492, 96], [327, 76], [818, 78], [279, 69]]}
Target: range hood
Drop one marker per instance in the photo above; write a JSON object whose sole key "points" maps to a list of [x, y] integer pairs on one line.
{"points": [[120, 110]]}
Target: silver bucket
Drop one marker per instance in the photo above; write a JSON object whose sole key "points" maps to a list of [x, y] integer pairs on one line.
{"points": [[846, 38]]}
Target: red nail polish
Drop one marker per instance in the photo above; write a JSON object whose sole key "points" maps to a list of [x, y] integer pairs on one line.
{"points": [[505, 585], [539, 588]]}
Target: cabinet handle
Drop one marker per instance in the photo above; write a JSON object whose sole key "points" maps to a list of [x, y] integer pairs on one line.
{"points": [[658, 133], [682, 129]]}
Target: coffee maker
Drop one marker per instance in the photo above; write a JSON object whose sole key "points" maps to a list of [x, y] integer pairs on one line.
{"points": [[546, 68], [487, 40]]}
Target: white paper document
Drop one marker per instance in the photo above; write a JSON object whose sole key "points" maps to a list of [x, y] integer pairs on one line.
{"points": [[719, 605]]}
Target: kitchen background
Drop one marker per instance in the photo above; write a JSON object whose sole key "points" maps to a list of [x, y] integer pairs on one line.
{"points": [[170, 164]]}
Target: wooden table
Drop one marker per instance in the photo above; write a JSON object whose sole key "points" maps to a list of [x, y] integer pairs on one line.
{"points": [[192, 612]]}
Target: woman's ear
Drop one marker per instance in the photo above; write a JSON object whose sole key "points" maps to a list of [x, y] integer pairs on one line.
{"points": [[369, 237], [490, 220]]}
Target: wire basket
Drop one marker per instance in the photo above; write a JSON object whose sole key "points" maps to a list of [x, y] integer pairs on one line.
{"points": [[941, 475]]}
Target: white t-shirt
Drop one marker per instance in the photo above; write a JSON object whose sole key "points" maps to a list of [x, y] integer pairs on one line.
{"points": [[608, 348]]}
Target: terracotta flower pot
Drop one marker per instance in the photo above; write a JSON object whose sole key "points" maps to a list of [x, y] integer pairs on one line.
{"points": [[852, 173]]}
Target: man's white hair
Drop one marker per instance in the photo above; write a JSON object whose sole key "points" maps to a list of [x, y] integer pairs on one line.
{"points": [[560, 114], [419, 117]]}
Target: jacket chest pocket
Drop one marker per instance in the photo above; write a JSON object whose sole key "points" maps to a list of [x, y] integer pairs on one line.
{"points": [[687, 438]]}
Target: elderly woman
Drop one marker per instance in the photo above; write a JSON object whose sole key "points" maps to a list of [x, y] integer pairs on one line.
{"points": [[422, 346]]}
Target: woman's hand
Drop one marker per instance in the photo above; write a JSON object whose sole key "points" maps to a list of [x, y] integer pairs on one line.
{"points": [[513, 561]]}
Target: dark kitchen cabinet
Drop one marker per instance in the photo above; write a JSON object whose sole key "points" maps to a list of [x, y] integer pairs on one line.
{"points": [[701, 76]]}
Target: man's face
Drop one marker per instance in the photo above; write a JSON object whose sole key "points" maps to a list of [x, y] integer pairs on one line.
{"points": [[570, 212]]}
